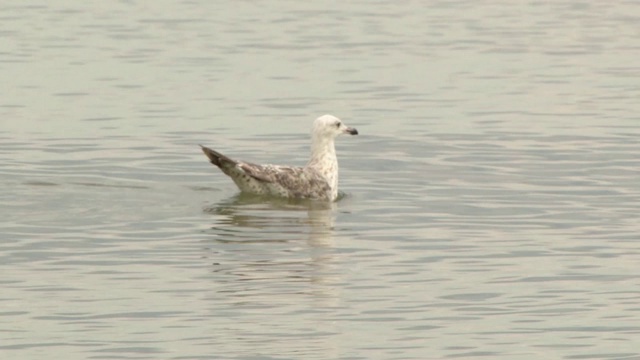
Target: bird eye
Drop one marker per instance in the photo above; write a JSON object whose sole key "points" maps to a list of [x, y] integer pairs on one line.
{"points": [[338, 124]]}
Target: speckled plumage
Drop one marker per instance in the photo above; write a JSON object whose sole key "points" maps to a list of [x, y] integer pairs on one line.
{"points": [[317, 180]]}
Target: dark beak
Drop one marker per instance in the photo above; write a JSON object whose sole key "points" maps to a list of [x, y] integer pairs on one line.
{"points": [[352, 131]]}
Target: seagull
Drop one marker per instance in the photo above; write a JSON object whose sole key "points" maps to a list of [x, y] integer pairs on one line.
{"points": [[317, 180]]}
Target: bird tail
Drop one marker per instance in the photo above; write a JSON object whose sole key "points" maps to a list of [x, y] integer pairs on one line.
{"points": [[216, 158]]}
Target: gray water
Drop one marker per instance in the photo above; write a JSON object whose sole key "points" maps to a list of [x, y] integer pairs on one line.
{"points": [[490, 204]]}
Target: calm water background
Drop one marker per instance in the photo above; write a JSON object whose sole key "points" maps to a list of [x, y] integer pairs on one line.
{"points": [[492, 199]]}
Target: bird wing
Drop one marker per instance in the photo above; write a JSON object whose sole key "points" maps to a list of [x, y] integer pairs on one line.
{"points": [[302, 182]]}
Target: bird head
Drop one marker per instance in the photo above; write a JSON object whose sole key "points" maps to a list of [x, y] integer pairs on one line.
{"points": [[330, 126]]}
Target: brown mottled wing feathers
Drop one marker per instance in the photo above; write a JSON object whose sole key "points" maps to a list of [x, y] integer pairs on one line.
{"points": [[256, 172], [299, 181]]}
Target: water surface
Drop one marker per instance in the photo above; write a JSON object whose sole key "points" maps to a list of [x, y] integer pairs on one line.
{"points": [[490, 204]]}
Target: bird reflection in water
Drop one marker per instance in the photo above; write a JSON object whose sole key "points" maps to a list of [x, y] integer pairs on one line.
{"points": [[264, 244], [251, 218]]}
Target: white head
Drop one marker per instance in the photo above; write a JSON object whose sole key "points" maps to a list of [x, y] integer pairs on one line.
{"points": [[329, 126]]}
